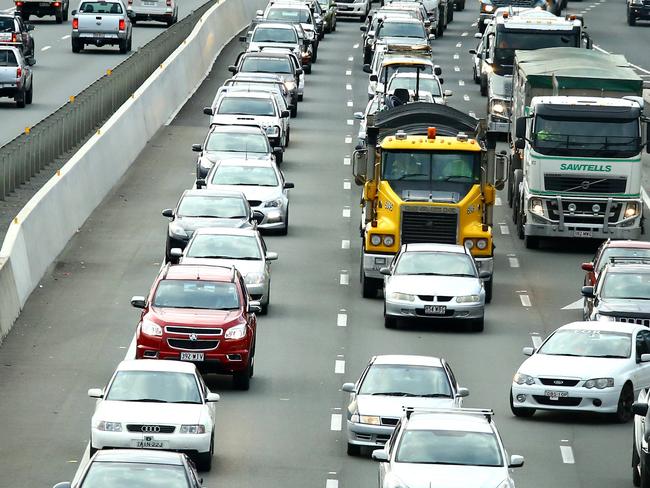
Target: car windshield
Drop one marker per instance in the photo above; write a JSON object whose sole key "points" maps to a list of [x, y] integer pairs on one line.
{"points": [[154, 386], [411, 83], [134, 475], [244, 175], [290, 15], [246, 106], [405, 380], [8, 58], [100, 8], [233, 142], [208, 295], [449, 447], [622, 252], [212, 206], [275, 34], [627, 286], [435, 263], [265, 65], [224, 246], [401, 29], [588, 343]]}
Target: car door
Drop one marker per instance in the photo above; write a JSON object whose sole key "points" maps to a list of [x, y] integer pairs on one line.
{"points": [[641, 374]]}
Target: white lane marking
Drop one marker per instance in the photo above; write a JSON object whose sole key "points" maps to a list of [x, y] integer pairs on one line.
{"points": [[345, 243], [504, 229], [460, 44], [464, 34], [346, 212], [342, 319], [348, 72], [344, 277], [45, 48], [514, 262], [356, 46], [335, 424], [346, 161], [472, 114], [537, 340], [473, 24], [350, 104], [456, 56], [598, 48], [348, 87], [350, 59], [525, 300], [67, 36], [497, 201], [332, 483], [347, 185], [348, 139], [339, 366], [350, 121], [457, 68], [466, 97], [577, 305], [567, 455], [461, 83]]}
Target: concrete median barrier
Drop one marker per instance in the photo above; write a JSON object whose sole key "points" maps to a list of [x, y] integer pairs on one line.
{"points": [[50, 219]]}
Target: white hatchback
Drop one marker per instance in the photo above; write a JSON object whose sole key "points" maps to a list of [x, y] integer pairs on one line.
{"points": [[584, 366], [155, 404]]}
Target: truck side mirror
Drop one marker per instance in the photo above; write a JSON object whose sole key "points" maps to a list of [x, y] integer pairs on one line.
{"points": [[640, 408], [587, 291], [366, 68], [359, 164], [520, 144], [501, 170], [437, 70], [520, 127], [373, 78]]}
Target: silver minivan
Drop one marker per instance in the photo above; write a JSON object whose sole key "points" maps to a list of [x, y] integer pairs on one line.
{"points": [[159, 10]]}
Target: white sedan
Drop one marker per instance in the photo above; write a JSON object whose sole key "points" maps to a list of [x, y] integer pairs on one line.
{"points": [[155, 404], [584, 366]]}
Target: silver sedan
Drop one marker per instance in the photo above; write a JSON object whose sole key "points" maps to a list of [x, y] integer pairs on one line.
{"points": [[434, 281]]}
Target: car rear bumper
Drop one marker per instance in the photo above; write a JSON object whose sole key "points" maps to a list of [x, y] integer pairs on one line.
{"points": [[351, 10], [37, 9], [9, 91], [99, 38], [162, 13], [578, 399], [453, 310], [230, 362]]}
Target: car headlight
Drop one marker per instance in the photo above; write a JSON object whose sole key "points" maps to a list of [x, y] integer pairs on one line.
{"points": [[192, 429], [151, 328], [272, 131], [369, 419], [487, 8], [237, 332], [290, 85], [536, 206], [273, 203], [109, 426], [523, 379], [604, 318], [637, 2], [254, 278], [468, 299], [309, 35], [176, 230], [631, 210], [403, 297], [599, 383]]}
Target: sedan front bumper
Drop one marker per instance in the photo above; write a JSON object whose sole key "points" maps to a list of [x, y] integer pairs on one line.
{"points": [[368, 435], [578, 398], [197, 443]]}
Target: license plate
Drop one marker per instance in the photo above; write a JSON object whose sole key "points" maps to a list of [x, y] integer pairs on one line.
{"points": [[435, 309], [192, 356], [554, 395], [144, 444], [149, 4], [582, 233], [342, 7], [99, 35]]}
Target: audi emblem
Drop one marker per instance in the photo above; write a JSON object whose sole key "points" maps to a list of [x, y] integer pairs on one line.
{"points": [[151, 429], [193, 337]]}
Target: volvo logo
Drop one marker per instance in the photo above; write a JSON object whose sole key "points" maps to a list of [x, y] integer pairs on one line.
{"points": [[193, 337], [558, 382], [151, 429]]}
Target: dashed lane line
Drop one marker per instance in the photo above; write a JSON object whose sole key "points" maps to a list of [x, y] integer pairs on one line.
{"points": [[525, 300], [344, 277], [342, 318], [347, 161], [335, 424], [567, 454], [346, 212], [347, 184], [339, 366]]}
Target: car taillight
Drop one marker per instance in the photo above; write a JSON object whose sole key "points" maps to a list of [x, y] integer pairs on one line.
{"points": [[122, 25], [56, 4], [75, 23], [169, 3], [19, 72], [14, 37], [130, 2], [19, 4]]}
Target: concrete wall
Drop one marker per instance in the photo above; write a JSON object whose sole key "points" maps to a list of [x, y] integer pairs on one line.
{"points": [[45, 225]]}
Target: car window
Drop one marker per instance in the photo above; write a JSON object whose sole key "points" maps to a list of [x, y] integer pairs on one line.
{"points": [[265, 65], [196, 294], [411, 83], [154, 386], [588, 343], [8, 58], [435, 263], [135, 475], [244, 175], [621, 252], [405, 380], [233, 142], [224, 246], [262, 107], [212, 206], [642, 343], [100, 8], [271, 34]]}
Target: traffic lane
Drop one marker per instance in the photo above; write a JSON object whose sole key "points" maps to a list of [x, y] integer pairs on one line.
{"points": [[78, 325], [60, 74]]}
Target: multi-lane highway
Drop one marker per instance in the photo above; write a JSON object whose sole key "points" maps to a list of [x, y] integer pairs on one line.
{"points": [[286, 431]]}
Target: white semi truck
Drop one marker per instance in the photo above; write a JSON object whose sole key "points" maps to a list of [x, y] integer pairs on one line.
{"points": [[575, 145]]}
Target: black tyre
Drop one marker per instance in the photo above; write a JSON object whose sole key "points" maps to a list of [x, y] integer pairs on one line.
{"points": [[460, 5], [636, 464], [390, 322], [631, 20], [307, 69], [626, 399], [475, 76], [76, 46], [300, 97], [450, 14], [315, 56], [285, 230], [58, 17], [483, 84], [294, 111], [354, 450], [65, 15], [20, 99], [242, 380], [123, 45], [369, 286], [279, 158], [488, 290], [441, 24], [519, 411], [644, 476], [29, 96], [531, 242], [129, 45], [287, 138], [204, 459], [477, 325], [334, 25]]}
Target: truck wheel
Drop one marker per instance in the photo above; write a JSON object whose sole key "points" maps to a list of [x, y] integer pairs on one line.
{"points": [[20, 99], [369, 286], [483, 85], [76, 46], [30, 94], [354, 450], [531, 242], [65, 15], [367, 56], [631, 20], [461, 5], [59, 16]]}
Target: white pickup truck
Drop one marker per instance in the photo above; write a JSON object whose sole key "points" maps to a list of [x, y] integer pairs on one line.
{"points": [[101, 22], [15, 76]]}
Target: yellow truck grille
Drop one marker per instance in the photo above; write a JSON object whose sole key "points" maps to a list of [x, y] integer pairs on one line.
{"points": [[429, 224]]}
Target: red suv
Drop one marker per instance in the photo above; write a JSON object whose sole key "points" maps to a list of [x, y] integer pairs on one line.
{"points": [[200, 314], [614, 249]]}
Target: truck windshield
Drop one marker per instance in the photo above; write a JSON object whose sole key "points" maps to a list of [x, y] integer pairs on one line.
{"points": [[431, 168], [614, 138], [508, 41]]}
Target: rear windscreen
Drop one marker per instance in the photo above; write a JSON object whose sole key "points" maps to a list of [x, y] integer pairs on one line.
{"points": [[8, 58], [100, 8], [6, 24]]}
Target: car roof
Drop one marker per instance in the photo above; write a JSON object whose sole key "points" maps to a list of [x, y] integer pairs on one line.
{"points": [[156, 365], [147, 456], [206, 192], [604, 326], [420, 247], [407, 359], [449, 421], [402, 20], [292, 5], [233, 128], [280, 53], [228, 231], [628, 244], [628, 265], [199, 272], [390, 59]]}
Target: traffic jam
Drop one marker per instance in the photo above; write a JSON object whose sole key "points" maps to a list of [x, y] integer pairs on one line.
{"points": [[561, 144]]}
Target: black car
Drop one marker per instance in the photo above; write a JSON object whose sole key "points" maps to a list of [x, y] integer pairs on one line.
{"points": [[206, 208], [637, 10], [14, 31], [137, 467]]}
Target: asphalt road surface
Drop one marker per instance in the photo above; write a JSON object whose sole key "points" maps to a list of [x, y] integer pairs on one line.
{"points": [[286, 431]]}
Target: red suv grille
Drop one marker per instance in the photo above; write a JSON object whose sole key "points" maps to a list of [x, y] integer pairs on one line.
{"points": [[192, 345]]}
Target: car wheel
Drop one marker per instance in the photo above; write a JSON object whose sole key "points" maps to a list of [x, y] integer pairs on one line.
{"points": [[631, 20], [477, 325], [644, 475], [65, 15], [265, 305], [461, 5], [354, 450], [477, 80], [76, 46], [294, 111], [519, 411], [242, 379], [483, 83], [204, 459], [30, 93], [367, 56], [334, 25], [300, 97], [308, 69], [488, 290], [20, 99], [390, 322], [624, 410], [315, 56], [636, 462], [285, 230], [129, 45], [287, 138], [58, 17], [123, 45], [279, 158]]}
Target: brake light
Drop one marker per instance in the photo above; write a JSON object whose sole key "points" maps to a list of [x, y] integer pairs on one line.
{"points": [[75, 24], [19, 72], [19, 4], [56, 4], [130, 2], [14, 37], [122, 25]]}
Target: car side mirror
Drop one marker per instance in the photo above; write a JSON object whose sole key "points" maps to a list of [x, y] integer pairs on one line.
{"points": [[645, 358], [373, 78], [299, 71], [288, 186], [462, 392], [130, 14], [285, 114], [363, 28], [437, 70], [232, 69], [29, 27], [212, 397], [640, 408], [138, 302], [207, 111], [259, 13], [254, 306], [448, 93], [96, 393], [242, 38], [366, 68], [520, 144], [432, 37], [385, 271], [472, 51], [176, 253], [358, 115], [380, 455], [64, 484], [200, 183], [278, 150], [484, 275], [197, 147], [168, 212], [271, 256], [587, 266], [258, 216], [587, 291], [74, 12], [520, 127], [349, 387], [478, 35], [528, 351], [516, 461]]}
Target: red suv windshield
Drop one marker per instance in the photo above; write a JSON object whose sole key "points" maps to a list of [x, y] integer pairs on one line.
{"points": [[196, 294]]}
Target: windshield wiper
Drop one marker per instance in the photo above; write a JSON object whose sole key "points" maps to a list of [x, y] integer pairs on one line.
{"points": [[409, 175], [394, 393], [455, 177], [436, 395], [427, 274], [615, 356], [191, 402], [152, 400], [462, 275]]}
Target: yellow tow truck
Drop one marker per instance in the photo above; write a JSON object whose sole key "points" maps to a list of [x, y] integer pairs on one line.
{"points": [[429, 174]]}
